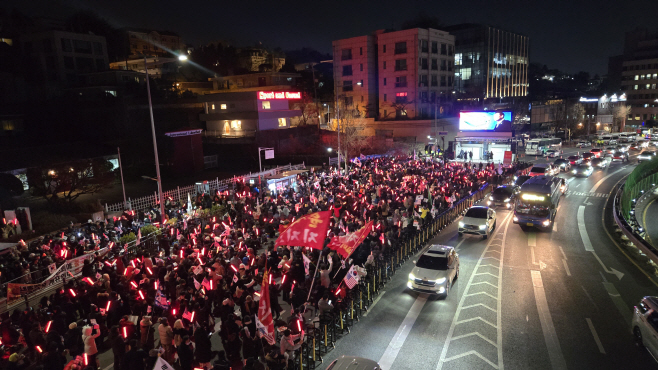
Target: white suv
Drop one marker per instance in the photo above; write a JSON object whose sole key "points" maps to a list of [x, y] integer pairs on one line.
{"points": [[478, 220], [645, 324], [435, 270]]}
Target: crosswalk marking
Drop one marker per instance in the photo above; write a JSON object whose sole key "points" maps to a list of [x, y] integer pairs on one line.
{"points": [[480, 304], [586, 194]]}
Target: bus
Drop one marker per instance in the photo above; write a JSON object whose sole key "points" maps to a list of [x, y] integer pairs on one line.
{"points": [[541, 146], [536, 205]]}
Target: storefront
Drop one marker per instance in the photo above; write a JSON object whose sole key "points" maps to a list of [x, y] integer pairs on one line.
{"points": [[281, 181], [482, 145]]}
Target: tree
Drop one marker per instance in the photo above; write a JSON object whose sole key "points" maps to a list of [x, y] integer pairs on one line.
{"points": [[309, 111], [351, 129], [575, 114], [63, 183], [619, 114]]}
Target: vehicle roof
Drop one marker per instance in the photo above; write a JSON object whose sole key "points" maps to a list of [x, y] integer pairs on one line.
{"points": [[439, 249], [506, 186], [354, 363], [539, 184]]}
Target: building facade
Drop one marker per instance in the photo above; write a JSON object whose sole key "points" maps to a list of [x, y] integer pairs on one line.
{"points": [[489, 62], [153, 43], [61, 57], [257, 81], [244, 114], [355, 73], [259, 60], [404, 74]]}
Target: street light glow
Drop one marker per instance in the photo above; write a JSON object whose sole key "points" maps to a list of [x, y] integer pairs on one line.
{"points": [[182, 57], [329, 150]]}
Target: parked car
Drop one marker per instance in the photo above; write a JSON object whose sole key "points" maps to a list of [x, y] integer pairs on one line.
{"points": [[553, 153], [583, 144]]}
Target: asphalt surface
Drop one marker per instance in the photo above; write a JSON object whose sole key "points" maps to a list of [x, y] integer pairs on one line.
{"points": [[649, 214], [524, 299]]}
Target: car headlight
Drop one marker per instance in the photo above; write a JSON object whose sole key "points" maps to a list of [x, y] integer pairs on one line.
{"points": [[546, 222], [491, 197], [574, 171], [412, 277], [516, 219], [461, 224], [440, 281], [482, 227], [507, 200], [409, 284]]}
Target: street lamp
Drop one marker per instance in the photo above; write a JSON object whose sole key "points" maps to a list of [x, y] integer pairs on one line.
{"points": [[155, 142], [329, 150]]}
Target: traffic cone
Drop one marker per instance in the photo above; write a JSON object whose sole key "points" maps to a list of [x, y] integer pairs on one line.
{"points": [[535, 157]]}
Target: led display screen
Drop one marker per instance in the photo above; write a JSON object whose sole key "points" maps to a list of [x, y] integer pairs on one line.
{"points": [[500, 121]]}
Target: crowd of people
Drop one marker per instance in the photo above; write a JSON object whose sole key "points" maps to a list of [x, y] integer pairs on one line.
{"points": [[204, 276]]}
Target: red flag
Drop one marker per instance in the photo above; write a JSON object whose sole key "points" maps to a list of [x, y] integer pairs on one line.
{"points": [[346, 244], [308, 231], [264, 322]]}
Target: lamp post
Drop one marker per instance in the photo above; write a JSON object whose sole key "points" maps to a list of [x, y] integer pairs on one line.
{"points": [[155, 142]]}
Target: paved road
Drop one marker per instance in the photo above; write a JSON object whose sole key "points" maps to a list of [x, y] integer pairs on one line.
{"points": [[540, 300]]}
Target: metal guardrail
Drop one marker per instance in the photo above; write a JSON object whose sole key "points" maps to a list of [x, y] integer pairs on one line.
{"points": [[182, 192], [631, 232]]}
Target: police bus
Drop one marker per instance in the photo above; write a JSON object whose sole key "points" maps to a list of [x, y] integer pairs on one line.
{"points": [[541, 146], [536, 204]]}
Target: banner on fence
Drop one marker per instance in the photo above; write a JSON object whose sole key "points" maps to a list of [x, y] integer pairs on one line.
{"points": [[72, 266]]}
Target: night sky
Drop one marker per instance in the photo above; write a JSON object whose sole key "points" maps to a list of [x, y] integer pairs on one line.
{"points": [[568, 35]]}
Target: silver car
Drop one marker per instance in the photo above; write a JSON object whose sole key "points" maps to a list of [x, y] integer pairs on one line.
{"points": [[645, 324], [353, 363], [435, 270], [478, 220]]}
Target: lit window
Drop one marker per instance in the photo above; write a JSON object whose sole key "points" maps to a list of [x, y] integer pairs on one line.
{"points": [[236, 125], [212, 106], [637, 77], [266, 105], [222, 106], [282, 122]]}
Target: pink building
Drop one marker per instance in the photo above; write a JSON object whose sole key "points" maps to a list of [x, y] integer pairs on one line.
{"points": [[413, 70]]}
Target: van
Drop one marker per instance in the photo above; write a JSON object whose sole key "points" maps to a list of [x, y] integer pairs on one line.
{"points": [[645, 324]]}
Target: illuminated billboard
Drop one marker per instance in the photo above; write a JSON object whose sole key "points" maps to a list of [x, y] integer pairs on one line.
{"points": [[500, 121], [278, 95]]}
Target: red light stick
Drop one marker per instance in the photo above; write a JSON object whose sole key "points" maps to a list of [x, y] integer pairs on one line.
{"points": [[192, 318], [72, 292], [173, 311], [125, 333], [107, 308], [133, 284], [86, 360], [39, 349], [270, 281], [283, 281], [338, 291], [149, 270], [88, 280], [234, 269], [211, 287], [155, 285], [141, 294], [48, 326]]}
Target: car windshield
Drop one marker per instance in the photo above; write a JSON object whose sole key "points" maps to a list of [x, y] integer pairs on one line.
{"points": [[522, 179], [587, 155], [574, 157], [538, 169], [427, 261], [583, 167], [560, 161], [533, 207], [502, 191], [477, 213]]}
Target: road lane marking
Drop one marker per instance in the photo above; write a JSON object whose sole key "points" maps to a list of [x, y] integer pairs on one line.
{"points": [[374, 303], [109, 366], [498, 297], [459, 244], [532, 239], [623, 309], [596, 336], [550, 336], [532, 255], [580, 217], [562, 250], [598, 183], [403, 332], [566, 267]]}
